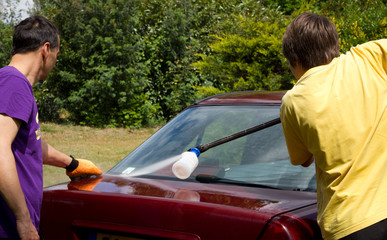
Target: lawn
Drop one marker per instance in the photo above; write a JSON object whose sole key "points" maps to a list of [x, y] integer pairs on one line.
{"points": [[105, 147]]}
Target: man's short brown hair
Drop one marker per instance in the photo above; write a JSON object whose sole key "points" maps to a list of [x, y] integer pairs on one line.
{"points": [[311, 40], [32, 33]]}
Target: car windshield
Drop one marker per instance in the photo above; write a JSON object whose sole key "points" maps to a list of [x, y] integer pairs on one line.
{"points": [[259, 158]]}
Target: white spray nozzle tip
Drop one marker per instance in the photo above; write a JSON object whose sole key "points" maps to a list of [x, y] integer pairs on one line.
{"points": [[184, 167]]}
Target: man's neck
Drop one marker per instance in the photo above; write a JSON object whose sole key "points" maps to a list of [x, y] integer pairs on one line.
{"points": [[297, 70], [28, 64]]}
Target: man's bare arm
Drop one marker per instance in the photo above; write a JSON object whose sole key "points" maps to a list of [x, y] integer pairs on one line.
{"points": [[10, 188], [83, 167], [53, 157]]}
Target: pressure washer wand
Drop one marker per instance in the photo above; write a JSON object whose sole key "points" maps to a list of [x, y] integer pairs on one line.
{"points": [[204, 147], [189, 160]]}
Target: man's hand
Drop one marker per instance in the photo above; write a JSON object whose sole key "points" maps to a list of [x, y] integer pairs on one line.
{"points": [[27, 230], [84, 168]]}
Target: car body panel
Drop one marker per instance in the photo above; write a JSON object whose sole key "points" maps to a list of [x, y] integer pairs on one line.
{"points": [[180, 208]]}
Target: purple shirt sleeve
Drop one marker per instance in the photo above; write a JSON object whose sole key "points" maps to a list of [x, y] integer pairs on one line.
{"points": [[15, 96]]}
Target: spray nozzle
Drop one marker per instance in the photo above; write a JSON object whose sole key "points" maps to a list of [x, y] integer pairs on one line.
{"points": [[188, 162]]}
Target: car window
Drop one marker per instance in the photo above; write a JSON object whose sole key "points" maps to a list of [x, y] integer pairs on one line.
{"points": [[260, 157]]}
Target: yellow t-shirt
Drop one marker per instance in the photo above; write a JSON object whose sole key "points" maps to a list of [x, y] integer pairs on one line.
{"points": [[338, 114]]}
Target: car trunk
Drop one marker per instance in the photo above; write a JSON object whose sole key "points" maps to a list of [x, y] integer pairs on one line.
{"points": [[113, 207]]}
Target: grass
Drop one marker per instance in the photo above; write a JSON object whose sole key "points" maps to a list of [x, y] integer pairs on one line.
{"points": [[105, 147]]}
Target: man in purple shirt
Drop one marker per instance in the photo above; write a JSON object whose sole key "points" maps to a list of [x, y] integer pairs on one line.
{"points": [[22, 151]]}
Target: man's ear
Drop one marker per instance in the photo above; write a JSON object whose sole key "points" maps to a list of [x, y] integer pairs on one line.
{"points": [[45, 50]]}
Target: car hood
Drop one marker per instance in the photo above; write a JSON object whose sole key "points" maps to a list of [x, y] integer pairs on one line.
{"points": [[263, 200], [173, 209]]}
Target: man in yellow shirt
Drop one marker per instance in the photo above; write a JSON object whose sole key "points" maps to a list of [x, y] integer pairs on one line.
{"points": [[336, 117]]}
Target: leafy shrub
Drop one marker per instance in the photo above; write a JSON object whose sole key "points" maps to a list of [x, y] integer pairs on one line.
{"points": [[169, 47], [357, 21], [101, 74], [133, 62], [285, 6], [249, 57], [6, 32]]}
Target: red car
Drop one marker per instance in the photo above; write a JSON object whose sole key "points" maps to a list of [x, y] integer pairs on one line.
{"points": [[242, 189]]}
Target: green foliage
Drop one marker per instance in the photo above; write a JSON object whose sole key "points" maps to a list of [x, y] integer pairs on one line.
{"points": [[357, 21], [207, 91], [6, 32], [249, 56], [8, 17], [286, 6], [169, 47], [101, 66], [139, 62]]}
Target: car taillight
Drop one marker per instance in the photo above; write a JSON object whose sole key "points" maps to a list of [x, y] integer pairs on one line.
{"points": [[287, 228]]}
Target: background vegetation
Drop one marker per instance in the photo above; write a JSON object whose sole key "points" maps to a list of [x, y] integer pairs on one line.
{"points": [[133, 63]]}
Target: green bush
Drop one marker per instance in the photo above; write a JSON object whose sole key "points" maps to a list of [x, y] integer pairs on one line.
{"points": [[6, 32], [134, 62], [170, 45], [357, 21], [285, 6], [100, 76], [249, 57]]}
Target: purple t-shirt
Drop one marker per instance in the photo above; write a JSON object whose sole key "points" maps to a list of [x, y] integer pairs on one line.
{"points": [[17, 101]]}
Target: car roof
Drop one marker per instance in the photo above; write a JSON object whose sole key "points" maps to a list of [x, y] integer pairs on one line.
{"points": [[246, 97]]}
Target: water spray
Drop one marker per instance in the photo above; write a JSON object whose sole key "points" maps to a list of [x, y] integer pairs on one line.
{"points": [[184, 167]]}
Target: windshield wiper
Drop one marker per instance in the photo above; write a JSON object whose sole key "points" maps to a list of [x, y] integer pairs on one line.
{"points": [[216, 179]]}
